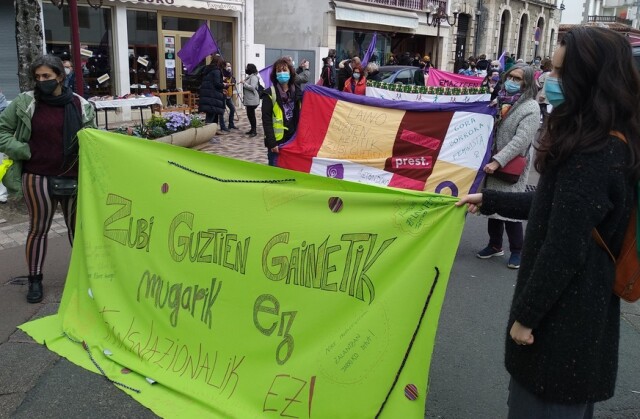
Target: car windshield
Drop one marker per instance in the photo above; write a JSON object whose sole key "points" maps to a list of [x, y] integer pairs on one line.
{"points": [[385, 75]]}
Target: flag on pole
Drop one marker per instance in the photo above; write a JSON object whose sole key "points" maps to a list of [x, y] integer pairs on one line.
{"points": [[501, 59], [265, 75], [370, 50], [198, 48]]}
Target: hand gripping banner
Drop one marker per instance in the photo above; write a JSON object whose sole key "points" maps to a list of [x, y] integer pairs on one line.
{"points": [[434, 147], [210, 287]]}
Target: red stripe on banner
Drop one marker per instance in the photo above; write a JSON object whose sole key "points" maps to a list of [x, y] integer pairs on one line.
{"points": [[421, 140], [315, 117], [417, 146]]}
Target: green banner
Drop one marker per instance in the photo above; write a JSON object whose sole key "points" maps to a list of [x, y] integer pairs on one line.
{"points": [[210, 287]]}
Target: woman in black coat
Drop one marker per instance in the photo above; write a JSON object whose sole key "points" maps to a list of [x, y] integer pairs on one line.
{"points": [[564, 324], [211, 100]]}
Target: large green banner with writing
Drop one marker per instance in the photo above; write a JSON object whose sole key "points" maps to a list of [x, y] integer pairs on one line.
{"points": [[210, 287]]}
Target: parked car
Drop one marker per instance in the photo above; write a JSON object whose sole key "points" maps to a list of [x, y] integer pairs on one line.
{"points": [[398, 73], [635, 44]]}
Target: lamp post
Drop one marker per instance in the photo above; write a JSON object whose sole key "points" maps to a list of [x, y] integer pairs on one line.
{"points": [[437, 15]]}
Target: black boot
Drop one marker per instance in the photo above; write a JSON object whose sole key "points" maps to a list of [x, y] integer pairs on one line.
{"points": [[35, 293], [253, 134]]}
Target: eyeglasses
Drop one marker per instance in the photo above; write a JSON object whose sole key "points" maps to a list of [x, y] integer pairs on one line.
{"points": [[514, 78]]}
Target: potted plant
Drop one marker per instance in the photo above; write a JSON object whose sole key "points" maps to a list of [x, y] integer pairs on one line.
{"points": [[173, 128]]}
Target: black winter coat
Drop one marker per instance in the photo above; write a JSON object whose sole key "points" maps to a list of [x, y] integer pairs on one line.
{"points": [[211, 98], [564, 289]]}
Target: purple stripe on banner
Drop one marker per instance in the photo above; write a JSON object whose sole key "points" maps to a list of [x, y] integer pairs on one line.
{"points": [[477, 107]]}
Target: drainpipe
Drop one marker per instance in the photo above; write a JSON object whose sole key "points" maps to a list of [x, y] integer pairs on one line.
{"points": [[478, 17]]}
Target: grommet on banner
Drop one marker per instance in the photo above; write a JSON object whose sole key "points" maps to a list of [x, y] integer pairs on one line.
{"points": [[411, 391], [335, 204]]}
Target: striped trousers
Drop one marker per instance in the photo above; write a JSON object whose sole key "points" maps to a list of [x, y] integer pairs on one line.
{"points": [[42, 207]]}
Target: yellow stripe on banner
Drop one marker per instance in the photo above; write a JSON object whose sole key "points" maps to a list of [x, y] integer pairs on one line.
{"points": [[361, 133], [445, 173]]}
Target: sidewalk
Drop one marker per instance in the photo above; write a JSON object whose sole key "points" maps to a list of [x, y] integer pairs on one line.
{"points": [[234, 144]]}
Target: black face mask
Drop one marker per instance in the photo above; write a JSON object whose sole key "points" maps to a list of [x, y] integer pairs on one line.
{"points": [[48, 86]]}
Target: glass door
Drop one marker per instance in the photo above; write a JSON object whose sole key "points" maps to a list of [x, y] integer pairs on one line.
{"points": [[174, 76]]}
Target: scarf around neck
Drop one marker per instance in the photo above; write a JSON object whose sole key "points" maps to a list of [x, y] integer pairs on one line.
{"points": [[506, 102], [72, 120]]}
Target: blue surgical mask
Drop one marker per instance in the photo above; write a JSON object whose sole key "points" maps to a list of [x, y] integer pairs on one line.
{"points": [[511, 87], [553, 91], [356, 76], [283, 77]]}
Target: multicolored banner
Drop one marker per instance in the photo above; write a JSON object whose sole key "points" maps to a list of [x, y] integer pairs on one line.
{"points": [[446, 79], [435, 147], [212, 287], [426, 98]]}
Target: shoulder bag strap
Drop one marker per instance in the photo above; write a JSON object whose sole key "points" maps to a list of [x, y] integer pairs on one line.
{"points": [[594, 233]]}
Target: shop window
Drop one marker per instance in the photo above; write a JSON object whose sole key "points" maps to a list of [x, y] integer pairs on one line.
{"points": [[95, 39], [83, 17], [142, 32], [172, 23]]}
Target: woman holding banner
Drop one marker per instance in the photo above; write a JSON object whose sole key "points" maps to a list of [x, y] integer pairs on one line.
{"points": [[517, 122], [38, 131], [564, 323], [357, 83], [280, 108]]}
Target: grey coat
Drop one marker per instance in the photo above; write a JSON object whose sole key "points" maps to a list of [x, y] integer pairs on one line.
{"points": [[250, 91], [513, 137]]}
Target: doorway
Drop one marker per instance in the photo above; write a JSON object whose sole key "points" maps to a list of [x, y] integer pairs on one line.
{"points": [[173, 76]]}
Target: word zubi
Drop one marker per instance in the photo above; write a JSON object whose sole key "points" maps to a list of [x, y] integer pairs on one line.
{"points": [[176, 296], [206, 246], [310, 268], [141, 238]]}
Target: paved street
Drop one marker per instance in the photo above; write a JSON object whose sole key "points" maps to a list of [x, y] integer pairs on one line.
{"points": [[467, 378]]}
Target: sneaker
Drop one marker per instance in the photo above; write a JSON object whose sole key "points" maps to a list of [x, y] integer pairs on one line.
{"points": [[489, 251], [514, 261]]}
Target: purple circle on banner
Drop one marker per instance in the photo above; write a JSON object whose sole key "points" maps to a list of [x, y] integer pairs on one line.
{"points": [[411, 391], [165, 188], [447, 184]]}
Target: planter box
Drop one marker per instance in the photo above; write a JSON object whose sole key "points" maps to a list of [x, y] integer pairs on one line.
{"points": [[191, 137]]}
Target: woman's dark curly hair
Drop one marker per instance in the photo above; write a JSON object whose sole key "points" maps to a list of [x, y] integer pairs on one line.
{"points": [[601, 86]]}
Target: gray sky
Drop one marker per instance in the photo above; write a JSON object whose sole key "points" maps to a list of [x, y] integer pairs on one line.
{"points": [[572, 12]]}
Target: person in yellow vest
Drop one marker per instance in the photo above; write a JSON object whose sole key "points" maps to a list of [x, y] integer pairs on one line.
{"points": [[280, 108]]}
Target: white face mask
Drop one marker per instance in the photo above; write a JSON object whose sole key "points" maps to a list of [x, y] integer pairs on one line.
{"points": [[67, 71], [228, 69]]}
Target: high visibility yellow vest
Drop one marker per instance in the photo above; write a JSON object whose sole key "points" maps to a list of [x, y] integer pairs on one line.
{"points": [[278, 119]]}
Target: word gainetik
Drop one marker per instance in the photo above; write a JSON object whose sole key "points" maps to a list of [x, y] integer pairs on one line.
{"points": [[311, 265]]}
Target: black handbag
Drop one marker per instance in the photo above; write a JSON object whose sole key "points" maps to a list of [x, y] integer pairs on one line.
{"points": [[62, 186]]}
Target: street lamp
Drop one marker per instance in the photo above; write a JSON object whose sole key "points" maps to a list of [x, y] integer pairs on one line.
{"points": [[437, 15]]}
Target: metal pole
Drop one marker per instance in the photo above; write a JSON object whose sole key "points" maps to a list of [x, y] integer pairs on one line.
{"points": [[75, 45], [437, 41]]}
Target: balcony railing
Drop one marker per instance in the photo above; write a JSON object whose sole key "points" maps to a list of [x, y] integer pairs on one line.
{"points": [[610, 19], [416, 5]]}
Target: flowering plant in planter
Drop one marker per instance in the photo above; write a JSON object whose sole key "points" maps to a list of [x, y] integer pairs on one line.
{"points": [[160, 126]]}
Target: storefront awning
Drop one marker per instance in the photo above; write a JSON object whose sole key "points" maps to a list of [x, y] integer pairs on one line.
{"points": [[192, 4], [374, 15]]}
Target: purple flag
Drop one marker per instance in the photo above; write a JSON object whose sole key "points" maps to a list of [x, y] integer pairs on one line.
{"points": [[501, 59], [265, 75], [370, 50], [197, 48]]}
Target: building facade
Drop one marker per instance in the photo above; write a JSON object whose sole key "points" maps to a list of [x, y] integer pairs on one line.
{"points": [[131, 45], [526, 28]]}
